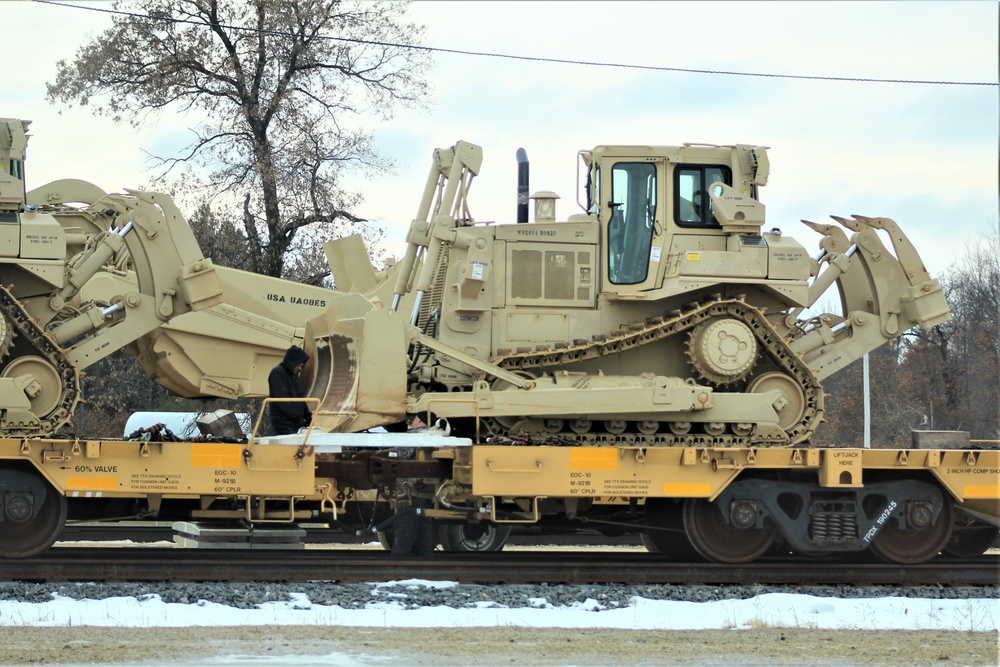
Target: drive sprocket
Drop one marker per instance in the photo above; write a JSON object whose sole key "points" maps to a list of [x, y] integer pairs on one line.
{"points": [[7, 336], [722, 350]]}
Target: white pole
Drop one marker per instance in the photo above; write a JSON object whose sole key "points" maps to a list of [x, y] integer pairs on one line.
{"points": [[868, 407]]}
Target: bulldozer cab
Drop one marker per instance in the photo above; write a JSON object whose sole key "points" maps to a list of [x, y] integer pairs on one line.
{"points": [[659, 207]]}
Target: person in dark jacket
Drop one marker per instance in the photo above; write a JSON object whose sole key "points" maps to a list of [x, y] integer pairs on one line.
{"points": [[414, 529], [283, 382]]}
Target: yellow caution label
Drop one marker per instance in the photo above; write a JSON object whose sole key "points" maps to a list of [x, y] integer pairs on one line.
{"points": [[689, 490], [216, 455], [91, 483], [693, 256], [593, 458], [982, 491]]}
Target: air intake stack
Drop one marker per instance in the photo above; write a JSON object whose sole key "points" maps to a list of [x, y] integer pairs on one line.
{"points": [[522, 185]]}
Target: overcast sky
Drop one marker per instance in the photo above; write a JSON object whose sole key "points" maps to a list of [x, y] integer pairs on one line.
{"points": [[925, 155]]}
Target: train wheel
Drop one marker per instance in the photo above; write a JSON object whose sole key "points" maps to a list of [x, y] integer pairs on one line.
{"points": [[34, 514], [386, 538], [666, 535], [915, 545], [473, 537], [720, 542], [971, 540]]}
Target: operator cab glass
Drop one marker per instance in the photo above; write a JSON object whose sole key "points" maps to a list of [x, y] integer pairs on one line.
{"points": [[692, 205], [633, 218]]}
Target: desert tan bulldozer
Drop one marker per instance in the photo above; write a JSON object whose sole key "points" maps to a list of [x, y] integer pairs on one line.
{"points": [[664, 313], [85, 273]]}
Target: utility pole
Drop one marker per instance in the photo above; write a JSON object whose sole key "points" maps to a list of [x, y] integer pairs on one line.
{"points": [[868, 407]]}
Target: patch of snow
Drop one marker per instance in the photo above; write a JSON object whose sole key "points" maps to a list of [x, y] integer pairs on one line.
{"points": [[771, 610]]}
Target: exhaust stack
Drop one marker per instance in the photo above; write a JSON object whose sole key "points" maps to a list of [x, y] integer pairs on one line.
{"points": [[522, 185]]}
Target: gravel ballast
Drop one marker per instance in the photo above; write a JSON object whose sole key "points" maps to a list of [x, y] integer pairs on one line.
{"points": [[353, 596]]}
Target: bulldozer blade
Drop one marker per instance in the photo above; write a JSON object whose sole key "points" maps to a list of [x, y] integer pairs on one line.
{"points": [[359, 370], [335, 381]]}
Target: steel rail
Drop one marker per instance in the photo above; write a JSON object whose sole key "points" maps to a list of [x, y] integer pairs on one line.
{"points": [[137, 532], [242, 565]]}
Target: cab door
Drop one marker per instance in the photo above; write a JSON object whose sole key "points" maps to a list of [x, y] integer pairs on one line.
{"points": [[632, 222]]}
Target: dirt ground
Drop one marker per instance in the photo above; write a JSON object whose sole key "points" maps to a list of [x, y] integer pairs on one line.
{"points": [[491, 646]]}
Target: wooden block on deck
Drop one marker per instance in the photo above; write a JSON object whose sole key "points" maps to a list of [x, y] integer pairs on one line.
{"points": [[191, 535], [941, 440]]}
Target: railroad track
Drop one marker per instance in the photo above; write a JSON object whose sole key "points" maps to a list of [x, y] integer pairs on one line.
{"points": [[241, 565], [136, 532], [165, 533]]}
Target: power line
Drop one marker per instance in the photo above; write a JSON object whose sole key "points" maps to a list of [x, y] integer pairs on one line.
{"points": [[507, 56]]}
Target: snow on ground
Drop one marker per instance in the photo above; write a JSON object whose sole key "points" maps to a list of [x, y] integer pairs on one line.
{"points": [[771, 609]]}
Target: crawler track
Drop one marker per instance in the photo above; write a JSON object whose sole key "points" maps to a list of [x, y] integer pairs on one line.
{"points": [[182, 565], [35, 342], [655, 329]]}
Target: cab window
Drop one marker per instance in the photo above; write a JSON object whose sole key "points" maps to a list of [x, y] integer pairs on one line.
{"points": [[633, 214], [692, 205]]}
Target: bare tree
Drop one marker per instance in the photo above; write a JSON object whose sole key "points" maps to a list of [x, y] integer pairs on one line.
{"points": [[892, 415], [275, 84], [956, 366]]}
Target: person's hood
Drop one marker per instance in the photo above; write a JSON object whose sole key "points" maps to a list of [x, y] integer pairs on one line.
{"points": [[294, 356]]}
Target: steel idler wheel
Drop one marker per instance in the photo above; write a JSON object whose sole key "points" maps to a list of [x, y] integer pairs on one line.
{"points": [[473, 537], [34, 514], [721, 542], [971, 540], [44, 393], [666, 535], [508, 422], [792, 404], [918, 543]]}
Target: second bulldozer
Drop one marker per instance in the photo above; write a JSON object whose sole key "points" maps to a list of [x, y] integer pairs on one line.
{"points": [[664, 313]]}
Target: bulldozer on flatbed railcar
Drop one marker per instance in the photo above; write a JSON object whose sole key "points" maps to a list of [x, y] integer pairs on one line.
{"points": [[657, 347]]}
